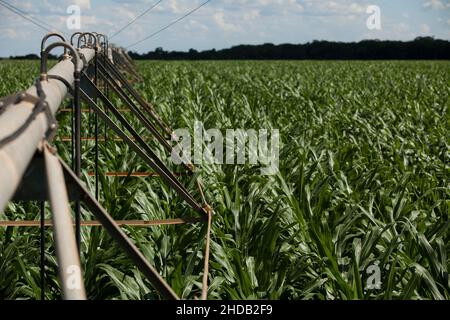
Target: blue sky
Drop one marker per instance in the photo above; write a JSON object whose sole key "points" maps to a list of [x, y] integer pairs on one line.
{"points": [[223, 23]]}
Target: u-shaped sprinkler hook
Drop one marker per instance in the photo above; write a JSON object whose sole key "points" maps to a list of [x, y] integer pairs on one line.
{"points": [[100, 36], [54, 34], [81, 38], [104, 44], [73, 37], [94, 34], [91, 36], [47, 50]]}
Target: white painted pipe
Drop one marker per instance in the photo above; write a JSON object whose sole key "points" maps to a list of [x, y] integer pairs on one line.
{"points": [[69, 269], [16, 155]]}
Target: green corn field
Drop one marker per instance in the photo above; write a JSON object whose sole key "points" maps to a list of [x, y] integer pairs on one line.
{"points": [[363, 185]]}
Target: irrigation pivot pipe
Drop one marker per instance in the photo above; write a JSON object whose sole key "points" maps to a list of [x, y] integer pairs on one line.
{"points": [[17, 154]]}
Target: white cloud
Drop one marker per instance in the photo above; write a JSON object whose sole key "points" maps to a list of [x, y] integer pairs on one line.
{"points": [[436, 5], [335, 7], [356, 8], [425, 29], [195, 25], [83, 4], [270, 6], [251, 15], [392, 31], [219, 19], [10, 33], [174, 6], [293, 6], [223, 23], [26, 5]]}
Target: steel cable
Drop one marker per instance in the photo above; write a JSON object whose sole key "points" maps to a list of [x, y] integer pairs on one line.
{"points": [[169, 25], [26, 16], [135, 19]]}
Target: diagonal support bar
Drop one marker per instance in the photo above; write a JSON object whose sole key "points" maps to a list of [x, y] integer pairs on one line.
{"points": [[133, 108], [149, 157], [124, 82], [117, 89], [118, 235]]}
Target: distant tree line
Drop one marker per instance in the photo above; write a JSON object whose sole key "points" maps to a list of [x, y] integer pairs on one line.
{"points": [[419, 48], [31, 56]]}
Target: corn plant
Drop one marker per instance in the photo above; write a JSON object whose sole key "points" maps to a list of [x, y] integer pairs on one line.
{"points": [[362, 185]]}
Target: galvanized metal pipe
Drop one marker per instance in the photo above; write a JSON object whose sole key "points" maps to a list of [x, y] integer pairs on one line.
{"points": [[16, 155], [69, 268]]}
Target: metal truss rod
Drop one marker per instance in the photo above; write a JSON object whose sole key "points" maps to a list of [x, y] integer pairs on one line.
{"points": [[128, 126], [69, 139], [87, 110], [134, 109], [151, 159], [121, 238], [131, 174], [113, 70], [96, 223], [120, 58]]}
